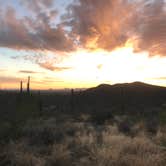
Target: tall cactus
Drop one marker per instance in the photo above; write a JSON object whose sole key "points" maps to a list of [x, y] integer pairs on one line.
{"points": [[28, 85], [21, 87], [72, 100]]}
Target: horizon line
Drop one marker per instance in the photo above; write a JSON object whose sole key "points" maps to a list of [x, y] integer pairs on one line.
{"points": [[76, 88]]}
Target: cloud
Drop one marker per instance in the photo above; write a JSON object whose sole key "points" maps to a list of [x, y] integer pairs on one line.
{"points": [[35, 32], [51, 66], [150, 28], [37, 5], [91, 24], [109, 24], [47, 61], [9, 80], [99, 24], [29, 72]]}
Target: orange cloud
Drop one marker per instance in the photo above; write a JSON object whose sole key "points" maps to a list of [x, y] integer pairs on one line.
{"points": [[109, 24], [91, 24], [52, 67]]}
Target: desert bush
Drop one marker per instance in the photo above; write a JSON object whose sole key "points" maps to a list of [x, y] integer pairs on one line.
{"points": [[20, 154], [9, 131], [101, 117], [60, 156], [152, 125], [42, 132], [160, 137], [162, 116], [48, 142]]}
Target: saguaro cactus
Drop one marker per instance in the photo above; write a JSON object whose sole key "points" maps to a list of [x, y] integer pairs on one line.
{"points": [[28, 85], [21, 85], [72, 100]]}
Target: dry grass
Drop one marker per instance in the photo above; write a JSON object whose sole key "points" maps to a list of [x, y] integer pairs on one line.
{"points": [[51, 143]]}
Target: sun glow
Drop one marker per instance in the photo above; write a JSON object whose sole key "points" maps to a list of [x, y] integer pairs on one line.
{"points": [[86, 68], [121, 65]]}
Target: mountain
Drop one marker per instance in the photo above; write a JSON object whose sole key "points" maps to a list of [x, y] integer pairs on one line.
{"points": [[129, 94], [134, 86]]}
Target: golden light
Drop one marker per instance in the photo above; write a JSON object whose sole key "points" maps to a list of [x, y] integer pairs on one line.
{"points": [[91, 68], [121, 65]]}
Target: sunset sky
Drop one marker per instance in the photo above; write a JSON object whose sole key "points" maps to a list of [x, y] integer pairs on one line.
{"points": [[82, 43]]}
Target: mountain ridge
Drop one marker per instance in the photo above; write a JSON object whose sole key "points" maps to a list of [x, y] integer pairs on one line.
{"points": [[136, 83], [136, 93]]}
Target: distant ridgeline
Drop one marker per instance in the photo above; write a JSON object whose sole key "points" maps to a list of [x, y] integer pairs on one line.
{"points": [[127, 98], [129, 94]]}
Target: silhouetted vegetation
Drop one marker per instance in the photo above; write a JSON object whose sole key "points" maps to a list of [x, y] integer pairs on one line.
{"points": [[107, 125]]}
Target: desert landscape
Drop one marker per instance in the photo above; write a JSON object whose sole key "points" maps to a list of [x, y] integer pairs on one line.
{"points": [[83, 83], [97, 126]]}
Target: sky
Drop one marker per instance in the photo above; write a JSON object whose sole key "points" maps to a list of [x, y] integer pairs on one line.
{"points": [[82, 43]]}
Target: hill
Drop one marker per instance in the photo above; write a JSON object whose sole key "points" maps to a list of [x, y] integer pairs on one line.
{"points": [[128, 94]]}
